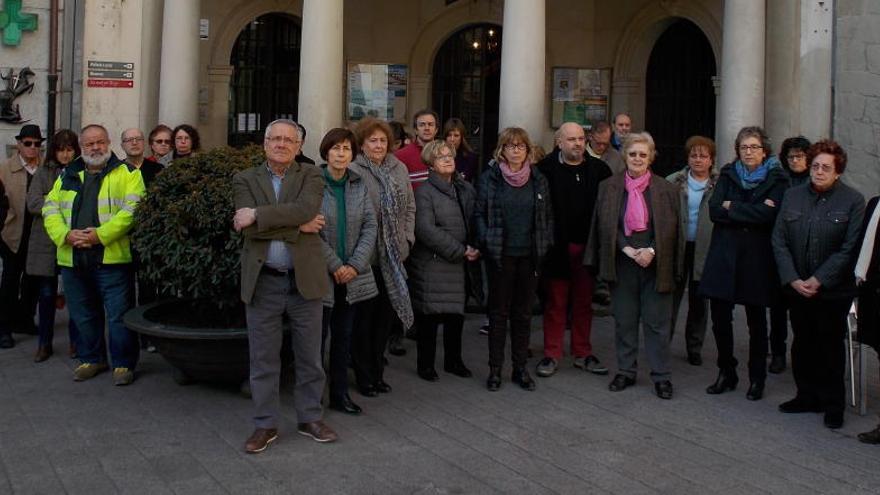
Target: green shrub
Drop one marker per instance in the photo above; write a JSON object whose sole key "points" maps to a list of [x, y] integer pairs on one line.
{"points": [[183, 227]]}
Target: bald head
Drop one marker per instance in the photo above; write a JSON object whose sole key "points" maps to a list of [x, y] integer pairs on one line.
{"points": [[571, 141]]}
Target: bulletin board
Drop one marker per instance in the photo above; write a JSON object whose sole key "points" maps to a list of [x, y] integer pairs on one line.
{"points": [[376, 90], [579, 95]]}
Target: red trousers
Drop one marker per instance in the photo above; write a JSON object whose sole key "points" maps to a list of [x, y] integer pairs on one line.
{"points": [[578, 291]]}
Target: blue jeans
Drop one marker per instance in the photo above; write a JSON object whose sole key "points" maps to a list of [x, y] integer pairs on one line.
{"points": [[48, 293], [89, 295]]}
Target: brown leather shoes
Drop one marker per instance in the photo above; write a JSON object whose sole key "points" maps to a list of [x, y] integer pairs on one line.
{"points": [[260, 439], [319, 431], [44, 352]]}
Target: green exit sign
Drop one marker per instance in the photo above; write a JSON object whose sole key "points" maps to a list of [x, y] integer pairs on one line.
{"points": [[13, 22]]}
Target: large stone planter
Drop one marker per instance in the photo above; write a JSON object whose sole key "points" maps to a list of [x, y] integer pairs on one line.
{"points": [[216, 355]]}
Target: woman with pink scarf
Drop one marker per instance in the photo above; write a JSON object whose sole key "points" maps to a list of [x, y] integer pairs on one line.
{"points": [[633, 246], [514, 221]]}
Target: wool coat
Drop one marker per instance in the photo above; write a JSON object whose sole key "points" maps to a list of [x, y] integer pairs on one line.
{"points": [[602, 249], [740, 266], [436, 267], [704, 223], [490, 216], [360, 239], [41, 256], [14, 178], [299, 202]]}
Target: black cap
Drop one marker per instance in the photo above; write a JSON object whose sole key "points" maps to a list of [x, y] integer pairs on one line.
{"points": [[30, 131]]}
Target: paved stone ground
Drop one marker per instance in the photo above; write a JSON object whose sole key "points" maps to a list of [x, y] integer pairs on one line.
{"points": [[570, 436]]}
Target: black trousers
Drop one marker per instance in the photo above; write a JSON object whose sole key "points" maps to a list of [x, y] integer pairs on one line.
{"points": [[337, 323], [370, 335], [779, 327], [512, 284], [698, 306], [19, 292], [722, 327], [818, 351], [427, 342]]}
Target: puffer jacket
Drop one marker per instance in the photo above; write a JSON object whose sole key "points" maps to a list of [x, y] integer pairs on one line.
{"points": [[360, 239], [436, 266], [490, 216], [704, 222]]}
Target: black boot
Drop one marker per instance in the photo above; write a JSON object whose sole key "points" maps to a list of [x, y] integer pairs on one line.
{"points": [[522, 378], [726, 380], [493, 383]]}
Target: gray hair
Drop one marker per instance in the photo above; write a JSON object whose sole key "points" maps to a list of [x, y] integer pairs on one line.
{"points": [[122, 135], [283, 121]]}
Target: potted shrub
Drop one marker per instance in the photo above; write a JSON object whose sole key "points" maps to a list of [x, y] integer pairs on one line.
{"points": [[189, 251]]}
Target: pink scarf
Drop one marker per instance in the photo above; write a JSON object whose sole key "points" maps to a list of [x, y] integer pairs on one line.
{"points": [[635, 219], [516, 179]]}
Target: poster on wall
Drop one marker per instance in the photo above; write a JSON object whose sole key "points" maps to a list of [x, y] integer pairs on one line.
{"points": [[376, 90], [579, 95]]}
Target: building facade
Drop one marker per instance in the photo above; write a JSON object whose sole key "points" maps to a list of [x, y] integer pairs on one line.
{"points": [[679, 67]]}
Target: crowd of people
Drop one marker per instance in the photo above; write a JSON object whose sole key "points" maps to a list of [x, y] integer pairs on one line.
{"points": [[394, 235]]}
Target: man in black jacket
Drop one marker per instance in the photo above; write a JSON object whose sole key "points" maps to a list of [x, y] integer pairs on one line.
{"points": [[574, 178]]}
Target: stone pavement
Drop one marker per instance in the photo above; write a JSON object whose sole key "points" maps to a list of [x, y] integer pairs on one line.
{"points": [[570, 436]]}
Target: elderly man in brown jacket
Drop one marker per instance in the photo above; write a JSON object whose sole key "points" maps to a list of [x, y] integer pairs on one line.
{"points": [[283, 272], [18, 291]]}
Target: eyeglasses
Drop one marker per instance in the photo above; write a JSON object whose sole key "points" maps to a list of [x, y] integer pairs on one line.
{"points": [[282, 139], [519, 147], [162, 141], [796, 156], [136, 139], [824, 167], [637, 154], [753, 148], [28, 144], [445, 157], [182, 139]]}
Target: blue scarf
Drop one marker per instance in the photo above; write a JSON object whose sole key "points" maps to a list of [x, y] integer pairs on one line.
{"points": [[753, 179]]}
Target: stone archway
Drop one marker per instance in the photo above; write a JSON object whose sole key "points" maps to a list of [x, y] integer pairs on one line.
{"points": [[637, 42], [432, 37], [219, 74]]}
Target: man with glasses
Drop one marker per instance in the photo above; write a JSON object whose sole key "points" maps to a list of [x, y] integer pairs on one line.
{"points": [[134, 144], [18, 291], [599, 146], [425, 124], [88, 215], [283, 273]]}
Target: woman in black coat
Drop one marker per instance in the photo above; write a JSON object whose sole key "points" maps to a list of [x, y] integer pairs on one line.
{"points": [[867, 273], [815, 242], [740, 268], [437, 281]]}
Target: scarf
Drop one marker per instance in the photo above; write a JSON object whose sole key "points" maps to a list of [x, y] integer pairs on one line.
{"points": [[753, 179], [390, 261], [867, 250], [516, 179], [635, 218]]}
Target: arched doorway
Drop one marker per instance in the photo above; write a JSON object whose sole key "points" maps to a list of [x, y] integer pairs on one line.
{"points": [[265, 78], [467, 82], [679, 94]]}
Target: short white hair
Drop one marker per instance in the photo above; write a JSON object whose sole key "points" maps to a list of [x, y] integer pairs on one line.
{"points": [[283, 121]]}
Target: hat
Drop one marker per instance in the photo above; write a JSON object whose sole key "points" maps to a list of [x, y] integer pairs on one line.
{"points": [[30, 131]]}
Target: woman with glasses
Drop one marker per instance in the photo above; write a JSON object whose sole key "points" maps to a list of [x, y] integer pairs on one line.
{"points": [[514, 231], [634, 245], [740, 268], [816, 241], [41, 262], [437, 280], [696, 184], [160, 145], [391, 197], [186, 141], [454, 132], [793, 155]]}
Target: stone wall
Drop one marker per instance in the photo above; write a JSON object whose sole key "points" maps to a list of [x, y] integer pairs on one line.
{"points": [[857, 100]]}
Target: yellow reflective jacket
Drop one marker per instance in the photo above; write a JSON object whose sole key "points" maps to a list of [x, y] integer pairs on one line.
{"points": [[121, 188]]}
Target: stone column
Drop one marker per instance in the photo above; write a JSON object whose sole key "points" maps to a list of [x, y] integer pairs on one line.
{"points": [[523, 72], [179, 74], [321, 71], [742, 72]]}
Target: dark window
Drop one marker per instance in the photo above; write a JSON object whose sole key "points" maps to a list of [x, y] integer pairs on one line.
{"points": [[467, 81], [265, 78], [680, 96]]}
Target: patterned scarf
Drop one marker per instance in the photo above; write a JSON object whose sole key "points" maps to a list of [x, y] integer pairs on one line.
{"points": [[389, 258], [635, 218]]}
